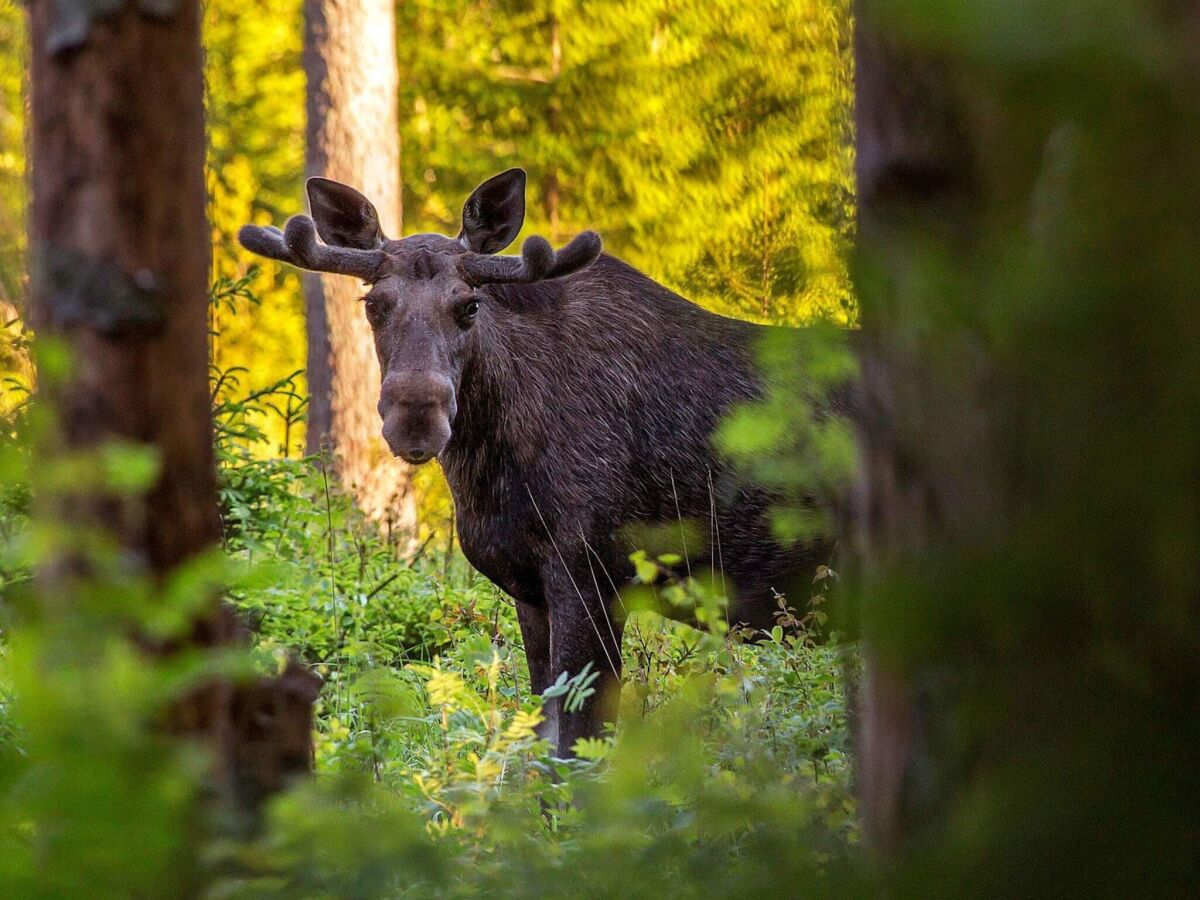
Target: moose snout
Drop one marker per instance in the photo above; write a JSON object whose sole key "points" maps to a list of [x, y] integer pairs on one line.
{"points": [[417, 409]]}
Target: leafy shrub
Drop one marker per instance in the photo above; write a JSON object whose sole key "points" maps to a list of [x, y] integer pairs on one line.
{"points": [[728, 775]]}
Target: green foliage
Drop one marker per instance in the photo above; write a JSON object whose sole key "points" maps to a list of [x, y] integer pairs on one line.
{"points": [[709, 143], [730, 773], [656, 815], [254, 97], [1033, 339], [427, 713], [85, 766], [16, 372], [798, 439]]}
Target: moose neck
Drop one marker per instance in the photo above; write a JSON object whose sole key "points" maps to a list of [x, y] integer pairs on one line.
{"points": [[498, 406]]}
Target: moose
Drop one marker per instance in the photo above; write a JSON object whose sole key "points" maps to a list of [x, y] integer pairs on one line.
{"points": [[567, 397]]}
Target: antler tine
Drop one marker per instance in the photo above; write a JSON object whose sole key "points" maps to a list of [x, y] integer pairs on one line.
{"points": [[264, 241], [297, 244], [537, 262]]}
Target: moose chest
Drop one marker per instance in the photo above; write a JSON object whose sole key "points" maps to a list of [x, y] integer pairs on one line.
{"points": [[500, 535]]}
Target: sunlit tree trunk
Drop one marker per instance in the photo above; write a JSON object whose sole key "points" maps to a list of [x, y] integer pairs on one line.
{"points": [[353, 137], [121, 255]]}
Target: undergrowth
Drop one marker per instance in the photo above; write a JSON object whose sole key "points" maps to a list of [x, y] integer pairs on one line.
{"points": [[728, 749], [729, 774]]}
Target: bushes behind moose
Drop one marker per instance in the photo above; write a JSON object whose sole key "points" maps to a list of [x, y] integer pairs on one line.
{"points": [[567, 397]]}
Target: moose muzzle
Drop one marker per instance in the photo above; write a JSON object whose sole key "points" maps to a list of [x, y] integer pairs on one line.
{"points": [[417, 409]]}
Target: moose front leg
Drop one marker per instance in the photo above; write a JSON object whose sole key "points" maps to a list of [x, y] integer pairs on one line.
{"points": [[583, 630], [534, 620]]}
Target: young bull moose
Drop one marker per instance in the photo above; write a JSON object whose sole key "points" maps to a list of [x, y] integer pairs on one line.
{"points": [[567, 396]]}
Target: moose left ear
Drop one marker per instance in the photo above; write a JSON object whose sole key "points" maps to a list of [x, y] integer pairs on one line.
{"points": [[343, 216], [494, 213]]}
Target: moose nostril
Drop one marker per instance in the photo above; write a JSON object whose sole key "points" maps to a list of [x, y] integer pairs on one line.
{"points": [[417, 455]]}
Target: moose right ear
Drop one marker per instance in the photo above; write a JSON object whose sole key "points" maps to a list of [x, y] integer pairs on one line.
{"points": [[343, 216], [494, 213]]}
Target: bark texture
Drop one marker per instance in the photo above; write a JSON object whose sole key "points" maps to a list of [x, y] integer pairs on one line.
{"points": [[353, 137], [121, 251], [120, 248]]}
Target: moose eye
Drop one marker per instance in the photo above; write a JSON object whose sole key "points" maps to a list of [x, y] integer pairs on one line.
{"points": [[372, 306], [468, 311]]}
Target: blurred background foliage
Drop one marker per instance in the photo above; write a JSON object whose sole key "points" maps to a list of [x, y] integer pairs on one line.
{"points": [[708, 142], [15, 371], [255, 113], [1028, 277], [12, 157]]}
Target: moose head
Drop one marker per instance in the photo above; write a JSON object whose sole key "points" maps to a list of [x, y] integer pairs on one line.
{"points": [[427, 292]]}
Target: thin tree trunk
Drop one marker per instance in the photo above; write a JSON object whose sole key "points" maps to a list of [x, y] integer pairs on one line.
{"points": [[353, 137], [121, 251], [553, 115]]}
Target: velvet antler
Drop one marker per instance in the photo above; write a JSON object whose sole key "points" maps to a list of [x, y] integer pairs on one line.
{"points": [[537, 262], [297, 244]]}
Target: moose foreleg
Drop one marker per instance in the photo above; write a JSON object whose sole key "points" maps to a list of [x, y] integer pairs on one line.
{"points": [[534, 620], [583, 630]]}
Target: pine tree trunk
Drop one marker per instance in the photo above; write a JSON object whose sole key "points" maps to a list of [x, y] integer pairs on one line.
{"points": [[121, 251], [353, 137]]}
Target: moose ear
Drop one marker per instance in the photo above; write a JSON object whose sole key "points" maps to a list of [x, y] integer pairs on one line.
{"points": [[343, 216], [494, 212]]}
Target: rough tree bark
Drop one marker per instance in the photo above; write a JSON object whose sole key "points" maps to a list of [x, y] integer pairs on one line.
{"points": [[353, 137], [121, 248]]}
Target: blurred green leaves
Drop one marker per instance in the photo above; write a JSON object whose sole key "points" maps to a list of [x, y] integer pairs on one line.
{"points": [[798, 440], [1028, 278]]}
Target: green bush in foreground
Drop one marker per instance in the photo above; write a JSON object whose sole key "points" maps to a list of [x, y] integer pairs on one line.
{"points": [[729, 774]]}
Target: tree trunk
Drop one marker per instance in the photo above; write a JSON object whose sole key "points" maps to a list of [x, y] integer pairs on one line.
{"points": [[1029, 388], [353, 137], [912, 167], [121, 252]]}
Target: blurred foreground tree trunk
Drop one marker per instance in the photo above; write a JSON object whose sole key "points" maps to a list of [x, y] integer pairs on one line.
{"points": [[1028, 281], [353, 137], [121, 252]]}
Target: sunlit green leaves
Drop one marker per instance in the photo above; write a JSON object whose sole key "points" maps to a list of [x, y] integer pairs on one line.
{"points": [[708, 142]]}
